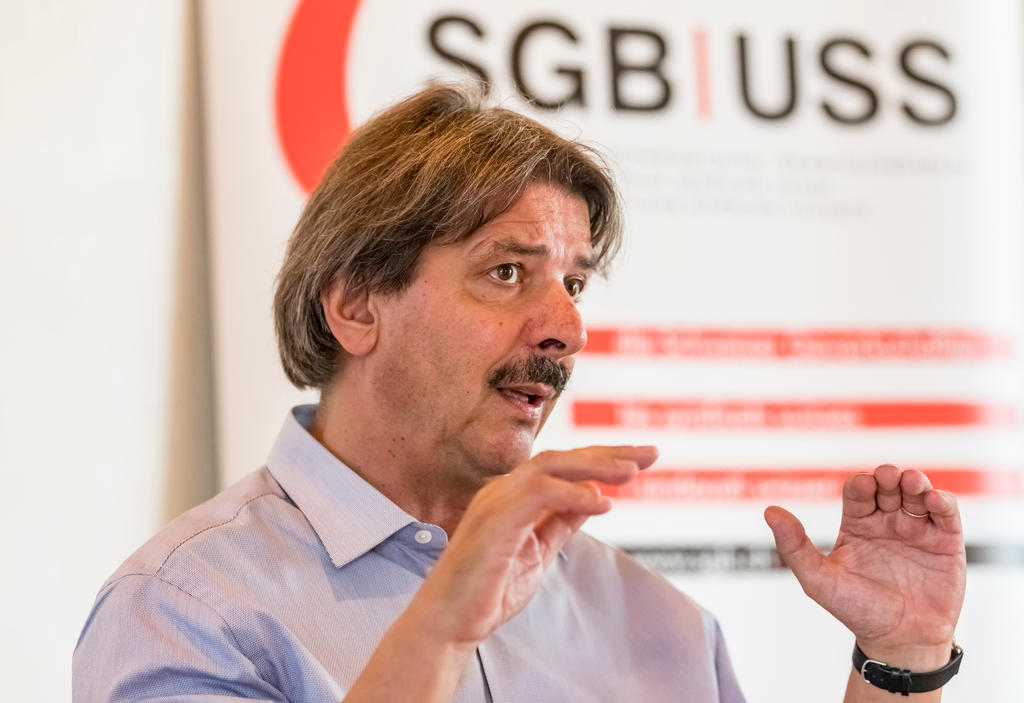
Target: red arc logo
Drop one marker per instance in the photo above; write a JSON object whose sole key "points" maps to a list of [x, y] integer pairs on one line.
{"points": [[310, 97]]}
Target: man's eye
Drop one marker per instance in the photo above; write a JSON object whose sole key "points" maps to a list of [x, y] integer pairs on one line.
{"points": [[574, 286], [509, 273]]}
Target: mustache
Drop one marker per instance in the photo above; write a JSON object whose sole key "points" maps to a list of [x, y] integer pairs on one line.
{"points": [[536, 369]]}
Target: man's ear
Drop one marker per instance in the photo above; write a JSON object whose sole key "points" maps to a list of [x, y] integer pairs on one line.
{"points": [[351, 316]]}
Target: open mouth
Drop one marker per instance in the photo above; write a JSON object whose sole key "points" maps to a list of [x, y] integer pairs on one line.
{"points": [[524, 396]]}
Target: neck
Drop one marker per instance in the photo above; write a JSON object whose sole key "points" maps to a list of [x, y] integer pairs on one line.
{"points": [[418, 479]]}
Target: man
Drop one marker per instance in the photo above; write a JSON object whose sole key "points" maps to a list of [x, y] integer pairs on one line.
{"points": [[430, 292]]}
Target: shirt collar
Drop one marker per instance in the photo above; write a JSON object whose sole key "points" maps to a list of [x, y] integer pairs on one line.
{"points": [[350, 516]]}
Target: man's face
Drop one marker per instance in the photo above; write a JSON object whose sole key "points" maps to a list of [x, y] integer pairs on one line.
{"points": [[472, 353]]}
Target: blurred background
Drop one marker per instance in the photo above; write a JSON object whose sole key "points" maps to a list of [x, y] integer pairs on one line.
{"points": [[824, 272]]}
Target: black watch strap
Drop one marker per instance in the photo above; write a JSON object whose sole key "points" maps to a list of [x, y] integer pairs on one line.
{"points": [[904, 681]]}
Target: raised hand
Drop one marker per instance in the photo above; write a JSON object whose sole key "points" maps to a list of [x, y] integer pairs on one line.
{"points": [[511, 532], [896, 574]]}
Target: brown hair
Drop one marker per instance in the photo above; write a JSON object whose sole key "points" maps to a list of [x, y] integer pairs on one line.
{"points": [[429, 170]]}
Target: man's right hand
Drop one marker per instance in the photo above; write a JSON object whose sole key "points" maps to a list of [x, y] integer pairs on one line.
{"points": [[511, 532]]}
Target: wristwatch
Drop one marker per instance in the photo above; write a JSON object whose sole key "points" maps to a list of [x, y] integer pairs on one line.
{"points": [[904, 681]]}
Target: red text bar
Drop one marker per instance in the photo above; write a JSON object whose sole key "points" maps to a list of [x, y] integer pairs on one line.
{"points": [[834, 345], [793, 484], [754, 414]]}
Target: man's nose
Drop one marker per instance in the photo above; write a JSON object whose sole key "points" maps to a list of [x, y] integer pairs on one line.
{"points": [[557, 328]]}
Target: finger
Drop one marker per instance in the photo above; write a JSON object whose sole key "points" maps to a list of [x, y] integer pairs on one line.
{"points": [[943, 510], [642, 454], [796, 550], [614, 465], [581, 498], [913, 487], [859, 495], [887, 495], [546, 494], [506, 507], [556, 529]]}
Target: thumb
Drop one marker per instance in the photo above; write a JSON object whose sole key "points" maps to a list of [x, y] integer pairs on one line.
{"points": [[796, 550]]}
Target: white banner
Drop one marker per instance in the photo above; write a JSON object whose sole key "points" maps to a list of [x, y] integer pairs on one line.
{"points": [[824, 270]]}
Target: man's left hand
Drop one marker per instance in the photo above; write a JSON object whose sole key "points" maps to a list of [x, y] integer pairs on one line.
{"points": [[895, 580]]}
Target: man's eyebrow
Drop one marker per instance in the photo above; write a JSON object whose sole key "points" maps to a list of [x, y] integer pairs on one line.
{"points": [[587, 263], [512, 246]]}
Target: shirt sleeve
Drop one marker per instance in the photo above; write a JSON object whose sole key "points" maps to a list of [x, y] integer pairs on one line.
{"points": [[147, 639]]}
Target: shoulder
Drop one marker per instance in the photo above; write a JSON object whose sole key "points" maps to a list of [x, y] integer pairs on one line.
{"points": [[252, 506]]}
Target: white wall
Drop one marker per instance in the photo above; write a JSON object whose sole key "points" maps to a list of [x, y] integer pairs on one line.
{"points": [[105, 382]]}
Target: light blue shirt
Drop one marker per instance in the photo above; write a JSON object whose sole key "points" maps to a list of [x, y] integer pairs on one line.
{"points": [[280, 587]]}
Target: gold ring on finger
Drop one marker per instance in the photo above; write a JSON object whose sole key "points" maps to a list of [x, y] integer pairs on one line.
{"points": [[907, 512]]}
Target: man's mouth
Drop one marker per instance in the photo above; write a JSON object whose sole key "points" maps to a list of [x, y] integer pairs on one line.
{"points": [[533, 394]]}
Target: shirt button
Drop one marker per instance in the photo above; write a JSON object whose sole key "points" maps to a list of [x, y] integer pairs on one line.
{"points": [[423, 536]]}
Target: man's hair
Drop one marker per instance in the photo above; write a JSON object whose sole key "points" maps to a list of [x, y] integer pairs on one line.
{"points": [[431, 169]]}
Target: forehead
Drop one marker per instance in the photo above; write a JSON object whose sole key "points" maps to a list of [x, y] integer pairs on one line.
{"points": [[546, 221]]}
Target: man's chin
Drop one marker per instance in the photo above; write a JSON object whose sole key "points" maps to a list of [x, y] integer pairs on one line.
{"points": [[502, 456]]}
